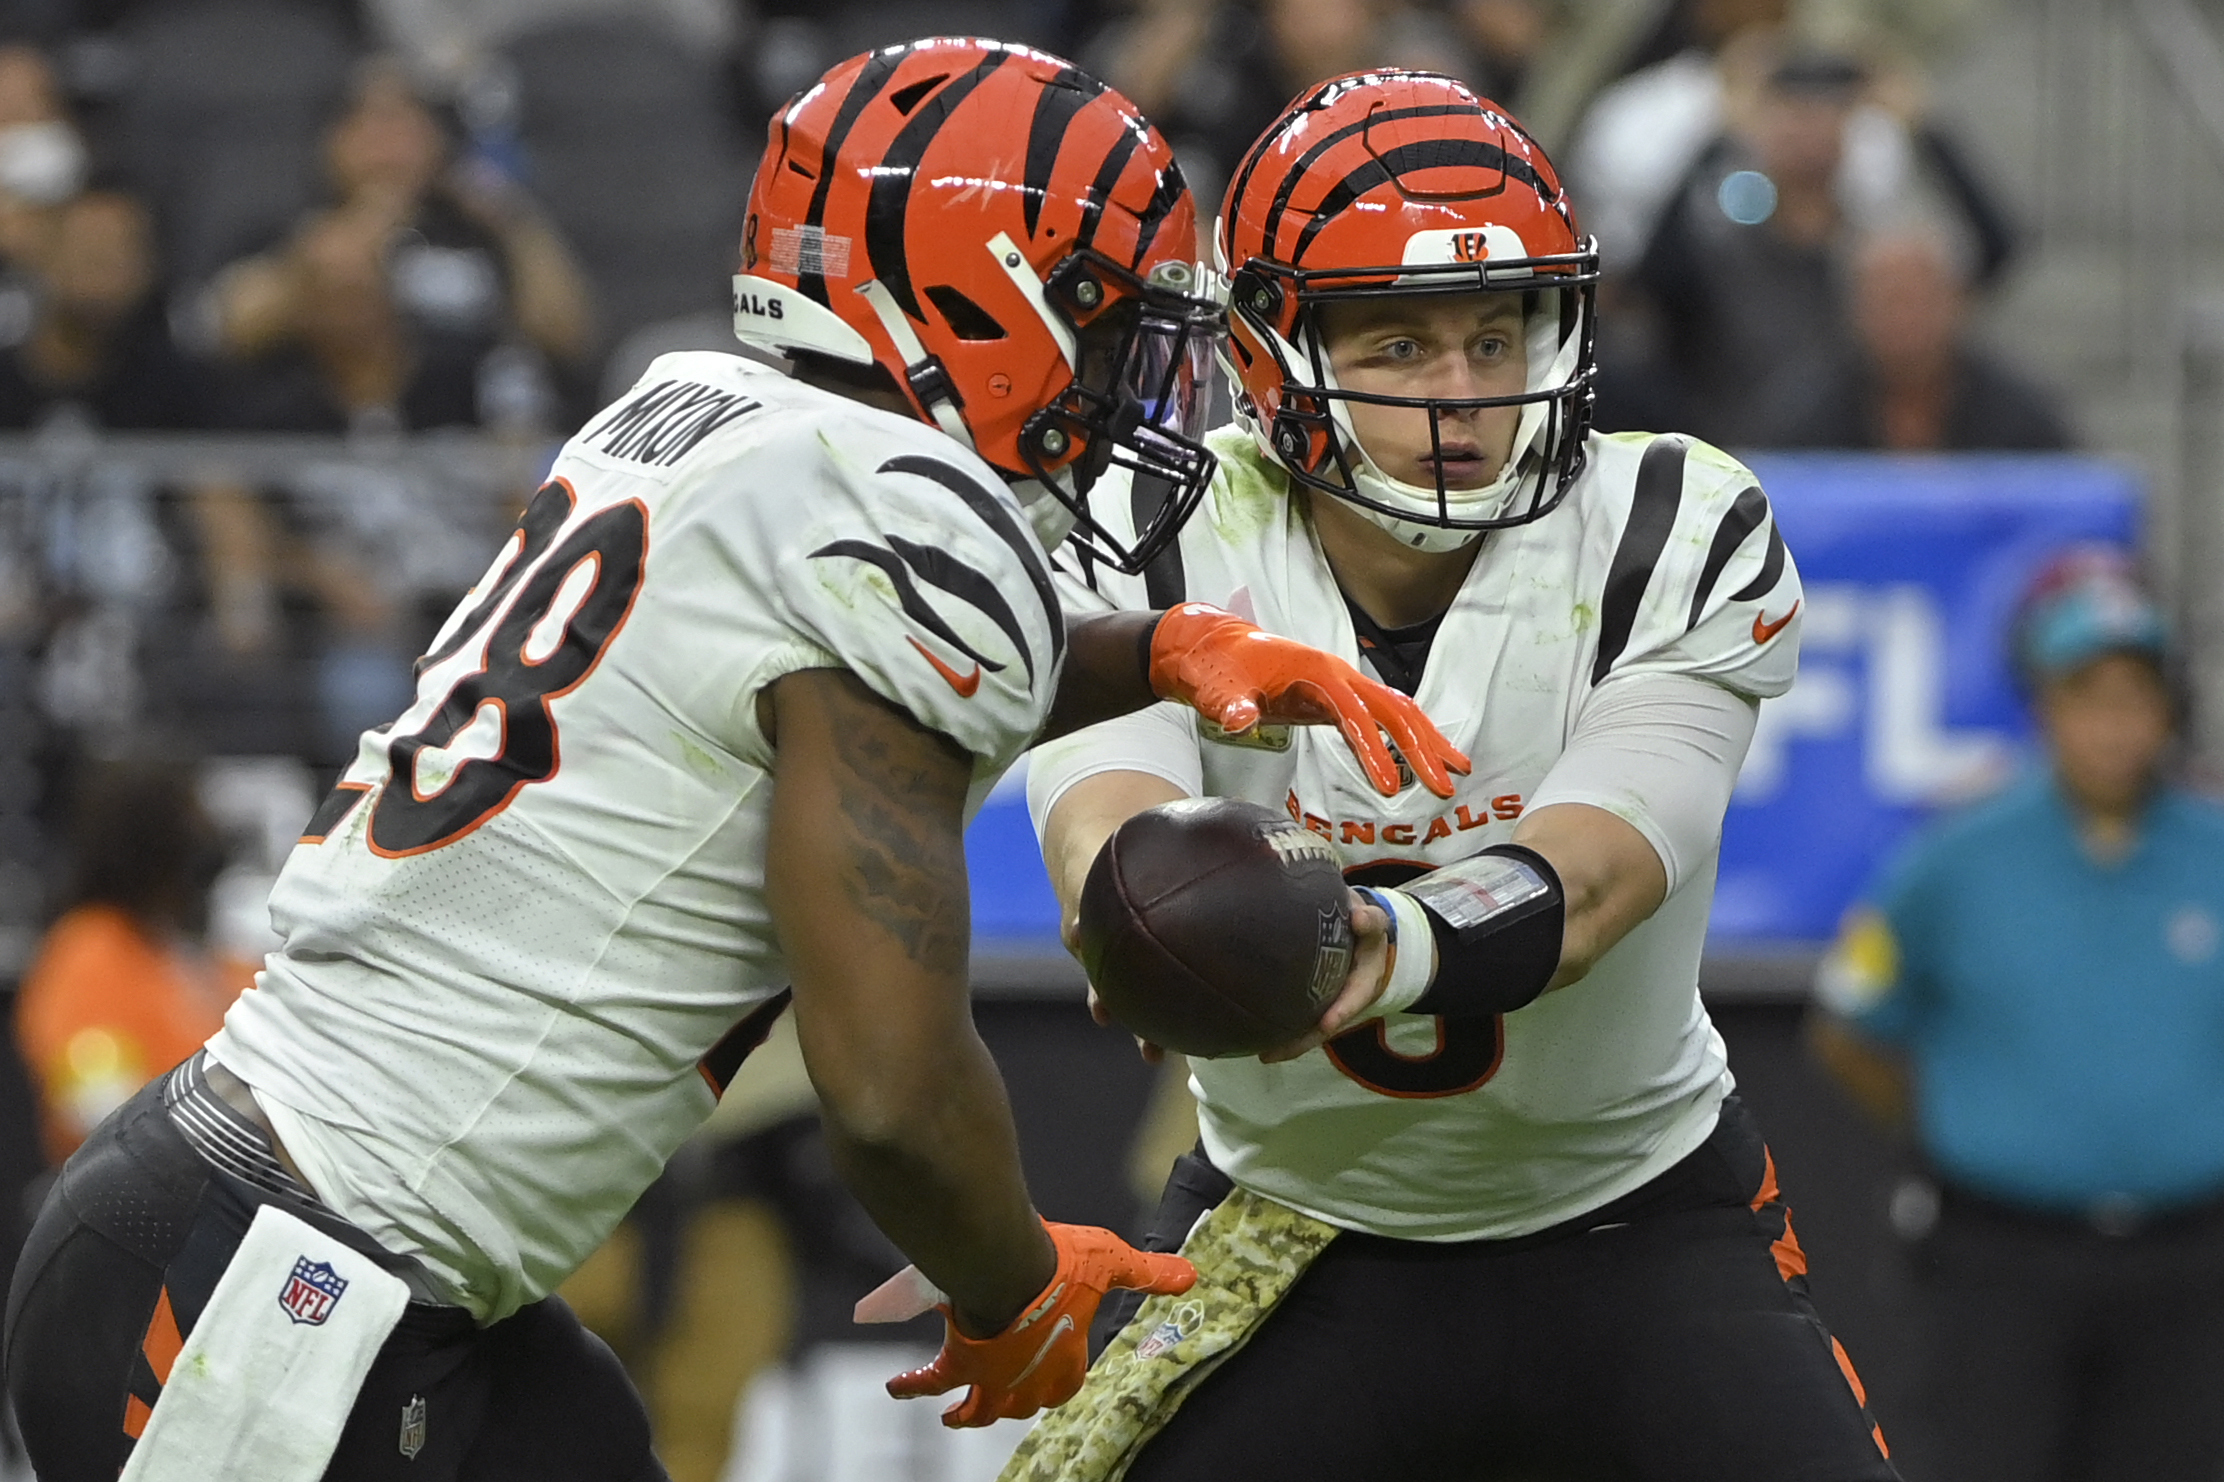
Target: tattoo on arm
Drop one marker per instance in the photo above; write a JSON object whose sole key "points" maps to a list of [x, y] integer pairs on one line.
{"points": [[901, 805]]}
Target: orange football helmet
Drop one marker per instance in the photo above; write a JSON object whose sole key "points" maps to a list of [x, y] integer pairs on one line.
{"points": [[1013, 243], [1400, 182]]}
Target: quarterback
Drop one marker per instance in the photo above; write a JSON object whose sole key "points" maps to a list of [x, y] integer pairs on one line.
{"points": [[699, 745], [1500, 1215]]}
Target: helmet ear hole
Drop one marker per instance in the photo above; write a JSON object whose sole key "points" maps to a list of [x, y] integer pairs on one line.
{"points": [[967, 319]]}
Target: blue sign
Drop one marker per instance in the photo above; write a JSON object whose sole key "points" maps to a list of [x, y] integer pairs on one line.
{"points": [[1905, 703]]}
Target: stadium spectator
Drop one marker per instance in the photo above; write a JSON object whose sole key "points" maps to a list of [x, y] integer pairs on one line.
{"points": [[425, 296], [2038, 984], [1214, 75], [42, 157], [122, 987], [1740, 276], [1642, 135], [1911, 381], [98, 346], [42, 163]]}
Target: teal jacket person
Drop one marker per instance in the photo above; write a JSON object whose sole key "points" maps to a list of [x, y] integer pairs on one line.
{"points": [[2035, 989]]}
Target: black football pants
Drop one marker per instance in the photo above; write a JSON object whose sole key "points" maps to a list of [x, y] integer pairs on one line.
{"points": [[1666, 1337], [2054, 1353], [137, 1215]]}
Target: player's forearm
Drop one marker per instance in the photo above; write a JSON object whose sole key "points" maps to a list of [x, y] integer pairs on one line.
{"points": [[1107, 671], [867, 892], [938, 1171], [1612, 878]]}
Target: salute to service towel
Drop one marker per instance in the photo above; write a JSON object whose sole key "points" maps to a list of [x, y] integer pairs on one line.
{"points": [[265, 1382], [1248, 1252]]}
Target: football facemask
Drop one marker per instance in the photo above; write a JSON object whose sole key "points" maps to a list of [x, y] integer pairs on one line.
{"points": [[1311, 433], [1140, 395]]}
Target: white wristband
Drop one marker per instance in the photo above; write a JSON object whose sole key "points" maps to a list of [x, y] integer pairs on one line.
{"points": [[1412, 950]]}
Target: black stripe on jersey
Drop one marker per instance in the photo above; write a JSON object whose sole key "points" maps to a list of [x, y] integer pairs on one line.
{"points": [[941, 569], [915, 606], [333, 811], [1745, 516], [871, 78], [1165, 583], [1421, 154], [1007, 529], [1108, 176], [1061, 102], [536, 528], [890, 199], [1290, 182], [1772, 568], [1652, 514]]}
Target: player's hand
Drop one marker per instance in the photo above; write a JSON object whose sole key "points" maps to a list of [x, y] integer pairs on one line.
{"points": [[1370, 974], [1041, 1358], [1151, 1053], [1069, 932], [1239, 675]]}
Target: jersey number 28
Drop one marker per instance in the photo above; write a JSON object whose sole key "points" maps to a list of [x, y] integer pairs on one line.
{"points": [[494, 732]]}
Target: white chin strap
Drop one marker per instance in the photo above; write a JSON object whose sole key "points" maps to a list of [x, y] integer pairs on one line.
{"points": [[1552, 360], [906, 339]]}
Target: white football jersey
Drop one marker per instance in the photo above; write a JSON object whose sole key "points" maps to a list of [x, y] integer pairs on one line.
{"points": [[535, 904], [1663, 559]]}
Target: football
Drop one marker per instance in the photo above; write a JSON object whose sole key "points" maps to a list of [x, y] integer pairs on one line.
{"points": [[1215, 927]]}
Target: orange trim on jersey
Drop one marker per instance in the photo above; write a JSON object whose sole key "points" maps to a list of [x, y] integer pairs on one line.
{"points": [[966, 686], [137, 1413], [360, 791], [548, 699], [163, 1340]]}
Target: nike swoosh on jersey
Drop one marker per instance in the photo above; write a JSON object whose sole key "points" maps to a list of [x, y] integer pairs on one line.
{"points": [[1764, 631], [966, 685]]}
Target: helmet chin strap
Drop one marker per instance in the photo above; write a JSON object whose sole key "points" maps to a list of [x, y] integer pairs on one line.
{"points": [[922, 372]]}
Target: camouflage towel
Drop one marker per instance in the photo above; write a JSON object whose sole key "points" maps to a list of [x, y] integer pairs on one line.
{"points": [[1248, 1252]]}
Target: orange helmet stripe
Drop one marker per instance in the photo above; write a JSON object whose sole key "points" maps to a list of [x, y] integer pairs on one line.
{"points": [[890, 198], [1422, 154], [1306, 161]]}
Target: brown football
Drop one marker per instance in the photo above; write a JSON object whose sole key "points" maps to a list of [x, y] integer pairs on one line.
{"points": [[1215, 927]]}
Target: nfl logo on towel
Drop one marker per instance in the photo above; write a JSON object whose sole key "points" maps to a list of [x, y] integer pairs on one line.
{"points": [[311, 1292]]}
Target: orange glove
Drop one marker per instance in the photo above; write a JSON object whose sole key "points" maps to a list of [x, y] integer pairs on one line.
{"points": [[1238, 675], [1041, 1358]]}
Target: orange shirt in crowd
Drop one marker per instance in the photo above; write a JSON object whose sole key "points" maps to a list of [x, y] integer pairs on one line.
{"points": [[105, 1008]]}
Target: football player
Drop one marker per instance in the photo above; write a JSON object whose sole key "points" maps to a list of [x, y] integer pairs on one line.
{"points": [[1500, 1215], [700, 743]]}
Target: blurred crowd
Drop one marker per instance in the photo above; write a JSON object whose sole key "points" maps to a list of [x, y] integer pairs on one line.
{"points": [[312, 216], [413, 216]]}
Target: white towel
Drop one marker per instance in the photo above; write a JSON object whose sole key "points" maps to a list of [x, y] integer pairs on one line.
{"points": [[264, 1383]]}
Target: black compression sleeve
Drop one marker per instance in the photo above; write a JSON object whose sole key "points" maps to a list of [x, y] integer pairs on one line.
{"points": [[1498, 919]]}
